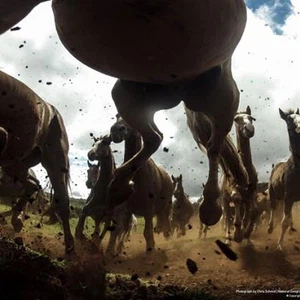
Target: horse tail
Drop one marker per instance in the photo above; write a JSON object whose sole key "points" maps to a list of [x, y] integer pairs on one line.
{"points": [[58, 121]]}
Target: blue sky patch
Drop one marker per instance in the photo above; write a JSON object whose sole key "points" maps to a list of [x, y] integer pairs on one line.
{"points": [[280, 10]]}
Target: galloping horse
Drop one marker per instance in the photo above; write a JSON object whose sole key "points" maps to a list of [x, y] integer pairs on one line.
{"points": [[163, 52], [14, 190], [239, 189], [245, 130], [182, 208], [98, 180], [153, 186], [285, 176], [96, 205], [31, 132]]}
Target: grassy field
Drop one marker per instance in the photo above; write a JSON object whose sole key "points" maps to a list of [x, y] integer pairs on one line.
{"points": [[34, 218]]}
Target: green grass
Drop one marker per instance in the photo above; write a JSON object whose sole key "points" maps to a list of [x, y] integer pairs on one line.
{"points": [[57, 228]]}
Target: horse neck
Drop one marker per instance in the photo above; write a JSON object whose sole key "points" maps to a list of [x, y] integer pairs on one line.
{"points": [[232, 162], [244, 149], [133, 144], [181, 196], [294, 148], [106, 172]]}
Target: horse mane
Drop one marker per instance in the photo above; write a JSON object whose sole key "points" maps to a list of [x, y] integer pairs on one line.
{"points": [[290, 111]]}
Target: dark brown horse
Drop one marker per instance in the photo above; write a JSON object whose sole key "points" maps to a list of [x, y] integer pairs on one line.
{"points": [[153, 186], [184, 55], [182, 208], [13, 192], [99, 177], [99, 180], [31, 132], [285, 176]]}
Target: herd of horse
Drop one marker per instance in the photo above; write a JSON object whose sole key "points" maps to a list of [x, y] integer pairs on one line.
{"points": [[162, 52]]}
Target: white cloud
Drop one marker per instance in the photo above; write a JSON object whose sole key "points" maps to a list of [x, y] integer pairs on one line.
{"points": [[266, 67]]}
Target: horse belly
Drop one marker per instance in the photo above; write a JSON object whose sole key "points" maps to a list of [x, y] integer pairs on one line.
{"points": [[19, 116], [151, 41]]}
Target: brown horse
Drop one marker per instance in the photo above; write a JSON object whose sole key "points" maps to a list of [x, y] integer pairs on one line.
{"points": [[285, 176], [31, 132], [244, 197], [153, 186], [99, 176], [98, 180], [182, 208], [13, 192], [245, 130], [183, 56]]}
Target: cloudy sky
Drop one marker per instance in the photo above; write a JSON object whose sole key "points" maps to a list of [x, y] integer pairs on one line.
{"points": [[266, 66]]}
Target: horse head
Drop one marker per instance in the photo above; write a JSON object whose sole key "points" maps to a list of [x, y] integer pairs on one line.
{"points": [[244, 123], [92, 175], [177, 186], [292, 119], [100, 149], [119, 130]]}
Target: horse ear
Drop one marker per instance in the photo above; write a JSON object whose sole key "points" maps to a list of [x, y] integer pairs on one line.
{"points": [[282, 114], [172, 177], [107, 139], [118, 116], [180, 176], [297, 111], [248, 110]]}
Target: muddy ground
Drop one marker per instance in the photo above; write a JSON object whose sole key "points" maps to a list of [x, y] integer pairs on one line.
{"points": [[260, 272]]}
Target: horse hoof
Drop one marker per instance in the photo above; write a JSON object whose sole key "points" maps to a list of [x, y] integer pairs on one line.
{"points": [[79, 236], [210, 213], [17, 225], [238, 236], [249, 244]]}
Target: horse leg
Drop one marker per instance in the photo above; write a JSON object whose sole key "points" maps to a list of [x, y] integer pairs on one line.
{"points": [[183, 229], [200, 229], [163, 223], [253, 217], [121, 245], [227, 226], [137, 103], [205, 231], [148, 233], [96, 232], [286, 221], [111, 246], [216, 95], [79, 235], [55, 161], [16, 218], [19, 208], [272, 210], [238, 232]]}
